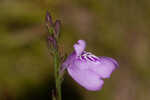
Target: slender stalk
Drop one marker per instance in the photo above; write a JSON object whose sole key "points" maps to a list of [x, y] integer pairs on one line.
{"points": [[53, 30], [57, 76]]}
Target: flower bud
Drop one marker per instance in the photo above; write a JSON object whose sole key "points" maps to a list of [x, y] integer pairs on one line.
{"points": [[57, 28], [49, 21]]}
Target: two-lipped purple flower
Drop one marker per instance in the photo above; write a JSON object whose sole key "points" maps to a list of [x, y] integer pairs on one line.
{"points": [[87, 69]]}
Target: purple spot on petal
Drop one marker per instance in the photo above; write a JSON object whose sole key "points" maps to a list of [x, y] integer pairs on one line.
{"points": [[90, 58], [95, 58], [83, 57]]}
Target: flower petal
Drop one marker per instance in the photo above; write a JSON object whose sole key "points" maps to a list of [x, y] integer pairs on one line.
{"points": [[69, 60], [105, 66], [86, 78], [79, 47]]}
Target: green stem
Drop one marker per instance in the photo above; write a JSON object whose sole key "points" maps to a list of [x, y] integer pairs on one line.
{"points": [[57, 75]]}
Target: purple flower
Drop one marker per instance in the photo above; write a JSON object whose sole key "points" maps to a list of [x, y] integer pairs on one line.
{"points": [[87, 69]]}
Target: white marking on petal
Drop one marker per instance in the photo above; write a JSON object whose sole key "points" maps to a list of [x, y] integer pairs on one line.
{"points": [[88, 56]]}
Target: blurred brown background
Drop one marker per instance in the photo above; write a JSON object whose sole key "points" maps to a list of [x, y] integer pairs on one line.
{"points": [[114, 28]]}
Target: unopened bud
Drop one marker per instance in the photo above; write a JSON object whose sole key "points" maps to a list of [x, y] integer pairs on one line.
{"points": [[57, 28], [49, 21]]}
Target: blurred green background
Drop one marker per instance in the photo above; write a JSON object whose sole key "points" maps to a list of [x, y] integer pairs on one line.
{"points": [[114, 28]]}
